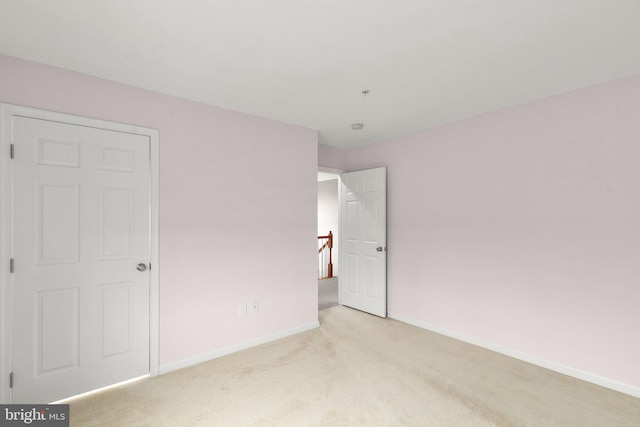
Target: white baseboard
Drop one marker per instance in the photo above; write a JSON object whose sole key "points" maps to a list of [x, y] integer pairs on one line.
{"points": [[185, 363], [534, 360]]}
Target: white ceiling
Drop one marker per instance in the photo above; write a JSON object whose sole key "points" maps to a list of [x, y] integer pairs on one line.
{"points": [[306, 62]]}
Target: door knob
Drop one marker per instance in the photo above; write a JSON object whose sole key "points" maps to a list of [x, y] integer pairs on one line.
{"points": [[380, 249], [142, 266]]}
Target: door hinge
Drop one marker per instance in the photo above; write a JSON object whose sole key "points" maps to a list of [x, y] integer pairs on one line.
{"points": [[11, 380], [11, 265], [11, 151]]}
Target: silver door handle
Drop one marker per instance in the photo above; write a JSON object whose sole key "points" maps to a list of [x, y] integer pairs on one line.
{"points": [[380, 249], [142, 266]]}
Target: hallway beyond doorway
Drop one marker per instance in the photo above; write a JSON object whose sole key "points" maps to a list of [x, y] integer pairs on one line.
{"points": [[327, 293]]}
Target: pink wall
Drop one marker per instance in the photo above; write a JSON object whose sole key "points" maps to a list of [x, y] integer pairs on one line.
{"points": [[226, 236], [332, 157], [521, 228]]}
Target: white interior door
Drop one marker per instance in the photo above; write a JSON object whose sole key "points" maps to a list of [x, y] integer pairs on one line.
{"points": [[80, 228], [363, 241]]}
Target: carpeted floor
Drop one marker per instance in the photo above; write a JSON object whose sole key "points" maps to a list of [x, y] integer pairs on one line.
{"points": [[360, 370]]}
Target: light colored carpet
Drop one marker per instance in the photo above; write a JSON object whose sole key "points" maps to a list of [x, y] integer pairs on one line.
{"points": [[327, 293], [354, 370]]}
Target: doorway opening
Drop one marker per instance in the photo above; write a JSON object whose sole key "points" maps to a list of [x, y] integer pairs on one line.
{"points": [[328, 219], [362, 224]]}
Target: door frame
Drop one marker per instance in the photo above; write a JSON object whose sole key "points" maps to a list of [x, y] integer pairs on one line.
{"points": [[7, 111]]}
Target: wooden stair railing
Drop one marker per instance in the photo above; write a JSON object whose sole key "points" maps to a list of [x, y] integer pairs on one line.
{"points": [[326, 246]]}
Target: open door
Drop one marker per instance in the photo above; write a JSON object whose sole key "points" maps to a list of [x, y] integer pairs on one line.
{"points": [[363, 241]]}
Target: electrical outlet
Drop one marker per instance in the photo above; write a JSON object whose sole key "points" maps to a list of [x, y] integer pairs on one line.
{"points": [[242, 309], [255, 307]]}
